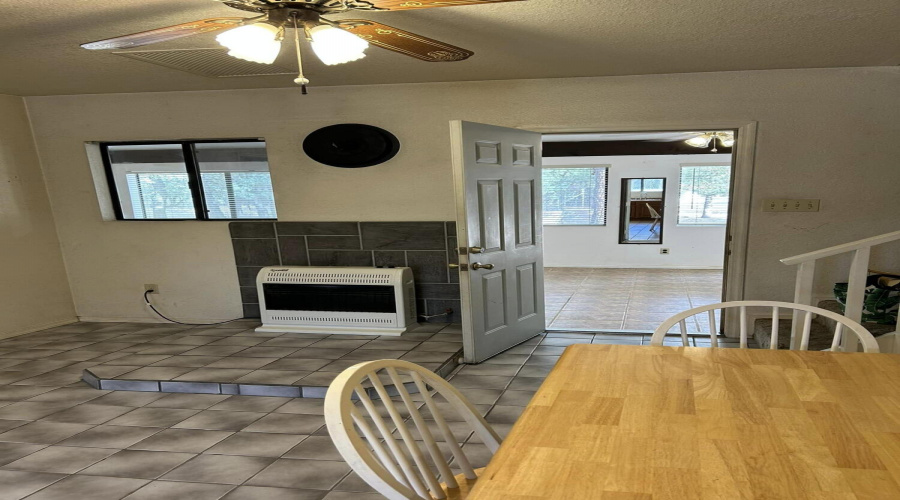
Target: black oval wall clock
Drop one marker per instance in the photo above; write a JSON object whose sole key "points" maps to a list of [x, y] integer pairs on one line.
{"points": [[351, 145]]}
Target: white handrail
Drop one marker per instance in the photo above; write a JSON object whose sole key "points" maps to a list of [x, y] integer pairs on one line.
{"points": [[844, 248], [859, 267]]}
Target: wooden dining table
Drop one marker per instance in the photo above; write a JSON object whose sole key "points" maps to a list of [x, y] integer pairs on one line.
{"points": [[629, 422]]}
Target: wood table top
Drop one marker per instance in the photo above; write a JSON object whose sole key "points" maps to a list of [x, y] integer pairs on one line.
{"points": [[624, 422]]}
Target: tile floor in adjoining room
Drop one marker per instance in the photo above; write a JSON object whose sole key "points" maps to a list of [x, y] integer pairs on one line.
{"points": [[61, 439], [605, 299]]}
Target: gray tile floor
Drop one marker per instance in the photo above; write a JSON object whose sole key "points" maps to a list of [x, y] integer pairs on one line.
{"points": [[61, 439], [235, 359], [636, 300]]}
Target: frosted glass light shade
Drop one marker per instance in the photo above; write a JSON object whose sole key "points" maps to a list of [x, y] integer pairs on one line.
{"points": [[336, 46], [258, 42], [701, 141], [727, 139]]}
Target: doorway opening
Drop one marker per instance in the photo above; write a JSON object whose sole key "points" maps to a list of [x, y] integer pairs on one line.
{"points": [[635, 226]]}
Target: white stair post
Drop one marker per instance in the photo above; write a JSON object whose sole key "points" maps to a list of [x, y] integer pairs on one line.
{"points": [[803, 293], [856, 293]]}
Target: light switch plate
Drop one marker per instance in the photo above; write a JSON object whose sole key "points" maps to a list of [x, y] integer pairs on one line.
{"points": [[790, 205]]}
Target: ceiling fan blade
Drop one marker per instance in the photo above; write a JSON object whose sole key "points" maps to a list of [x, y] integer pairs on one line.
{"points": [[165, 34], [426, 4], [404, 42]]}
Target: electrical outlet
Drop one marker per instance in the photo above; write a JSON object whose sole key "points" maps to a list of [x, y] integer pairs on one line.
{"points": [[664, 251], [790, 205], [151, 288]]}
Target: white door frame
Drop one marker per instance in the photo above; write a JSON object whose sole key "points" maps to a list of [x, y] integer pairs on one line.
{"points": [[742, 190]]}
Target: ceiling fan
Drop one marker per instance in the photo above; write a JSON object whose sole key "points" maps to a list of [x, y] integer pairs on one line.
{"points": [[259, 38]]}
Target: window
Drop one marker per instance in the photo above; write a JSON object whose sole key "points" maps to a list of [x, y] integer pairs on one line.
{"points": [[703, 197], [202, 180], [575, 196]]}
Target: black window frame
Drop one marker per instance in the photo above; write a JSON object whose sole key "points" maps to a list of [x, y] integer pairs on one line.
{"points": [[195, 184], [623, 223]]}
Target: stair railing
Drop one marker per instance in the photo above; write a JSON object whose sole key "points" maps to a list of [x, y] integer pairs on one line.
{"points": [[856, 286]]}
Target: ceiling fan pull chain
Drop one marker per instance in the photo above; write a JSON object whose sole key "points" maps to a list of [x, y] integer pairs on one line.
{"points": [[300, 80]]}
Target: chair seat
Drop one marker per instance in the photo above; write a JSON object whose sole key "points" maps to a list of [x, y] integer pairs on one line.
{"points": [[465, 486]]}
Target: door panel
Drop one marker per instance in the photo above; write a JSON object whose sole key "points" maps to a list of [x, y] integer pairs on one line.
{"points": [[524, 213], [527, 299], [490, 210], [498, 181]]}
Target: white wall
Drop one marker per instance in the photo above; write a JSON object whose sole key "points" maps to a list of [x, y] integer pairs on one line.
{"points": [[34, 291], [828, 134], [691, 247]]}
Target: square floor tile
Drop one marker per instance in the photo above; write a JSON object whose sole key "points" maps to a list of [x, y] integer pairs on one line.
{"points": [[220, 469], [302, 474], [220, 420], [60, 459], [181, 440], [42, 432], [256, 444], [127, 398], [95, 488], [138, 464], [153, 417], [88, 413], [250, 403], [10, 452], [315, 448], [110, 436], [171, 490], [188, 401], [287, 423], [19, 484], [305, 406], [269, 493]]}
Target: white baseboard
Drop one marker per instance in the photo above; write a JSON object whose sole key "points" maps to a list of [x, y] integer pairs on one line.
{"points": [[128, 319], [637, 267], [53, 324]]}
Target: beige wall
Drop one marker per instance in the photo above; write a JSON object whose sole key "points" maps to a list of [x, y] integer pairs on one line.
{"points": [[828, 134], [34, 291]]}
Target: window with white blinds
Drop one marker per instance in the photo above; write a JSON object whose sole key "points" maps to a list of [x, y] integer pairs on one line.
{"points": [[575, 196], [703, 195], [236, 181], [202, 180]]}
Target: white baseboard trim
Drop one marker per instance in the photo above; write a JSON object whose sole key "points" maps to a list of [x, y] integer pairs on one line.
{"points": [[720, 268], [53, 324], [127, 319]]}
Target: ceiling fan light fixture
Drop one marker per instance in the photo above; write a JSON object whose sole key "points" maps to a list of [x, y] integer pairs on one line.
{"points": [[336, 46], [259, 42]]}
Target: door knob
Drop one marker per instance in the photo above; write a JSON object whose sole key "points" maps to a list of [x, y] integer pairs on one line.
{"points": [[476, 250], [453, 266], [479, 265]]}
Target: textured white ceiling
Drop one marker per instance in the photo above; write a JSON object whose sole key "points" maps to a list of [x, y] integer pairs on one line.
{"points": [[40, 53]]}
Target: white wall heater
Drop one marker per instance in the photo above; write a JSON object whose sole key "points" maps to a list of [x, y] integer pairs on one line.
{"points": [[336, 300]]}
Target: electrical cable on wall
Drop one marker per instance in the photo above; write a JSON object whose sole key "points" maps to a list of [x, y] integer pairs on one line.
{"points": [[161, 315]]}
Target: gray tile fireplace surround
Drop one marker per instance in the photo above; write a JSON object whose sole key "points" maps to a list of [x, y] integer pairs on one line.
{"points": [[426, 247]]}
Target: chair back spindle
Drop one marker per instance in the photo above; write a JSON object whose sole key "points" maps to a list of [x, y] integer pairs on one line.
{"points": [[869, 344]]}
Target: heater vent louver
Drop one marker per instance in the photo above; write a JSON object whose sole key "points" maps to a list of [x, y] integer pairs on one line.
{"points": [[212, 63], [351, 300], [302, 277]]}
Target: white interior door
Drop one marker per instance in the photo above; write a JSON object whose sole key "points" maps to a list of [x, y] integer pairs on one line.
{"points": [[501, 263]]}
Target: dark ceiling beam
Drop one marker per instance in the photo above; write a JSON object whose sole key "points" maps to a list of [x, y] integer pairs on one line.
{"points": [[625, 148]]}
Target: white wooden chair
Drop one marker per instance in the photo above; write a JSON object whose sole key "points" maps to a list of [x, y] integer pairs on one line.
{"points": [[656, 218], [869, 344], [377, 440]]}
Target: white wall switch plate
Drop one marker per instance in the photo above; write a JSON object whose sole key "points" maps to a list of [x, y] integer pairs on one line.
{"points": [[790, 205]]}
